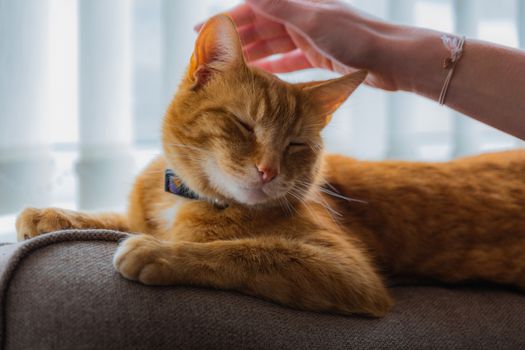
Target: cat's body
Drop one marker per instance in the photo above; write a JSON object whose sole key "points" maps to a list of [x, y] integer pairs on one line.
{"points": [[269, 227], [456, 221], [434, 220]]}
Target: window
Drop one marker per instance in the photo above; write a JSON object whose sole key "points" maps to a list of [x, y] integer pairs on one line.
{"points": [[57, 149]]}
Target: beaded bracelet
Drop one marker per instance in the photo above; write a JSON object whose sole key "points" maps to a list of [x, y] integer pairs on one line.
{"points": [[455, 45]]}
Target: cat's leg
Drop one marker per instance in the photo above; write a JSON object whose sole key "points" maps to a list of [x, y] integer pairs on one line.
{"points": [[33, 222], [286, 271]]}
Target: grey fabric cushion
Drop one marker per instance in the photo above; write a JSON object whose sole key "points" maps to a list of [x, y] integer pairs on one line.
{"points": [[60, 291]]}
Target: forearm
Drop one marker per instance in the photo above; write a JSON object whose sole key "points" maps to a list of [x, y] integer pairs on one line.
{"points": [[488, 82]]}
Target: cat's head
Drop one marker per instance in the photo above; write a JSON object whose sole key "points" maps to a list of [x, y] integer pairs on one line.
{"points": [[236, 133]]}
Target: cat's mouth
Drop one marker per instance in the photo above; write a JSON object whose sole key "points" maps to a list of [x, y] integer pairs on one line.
{"points": [[235, 188], [254, 195], [250, 195], [247, 194]]}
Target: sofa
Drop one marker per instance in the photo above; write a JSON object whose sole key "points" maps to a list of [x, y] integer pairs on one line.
{"points": [[60, 291]]}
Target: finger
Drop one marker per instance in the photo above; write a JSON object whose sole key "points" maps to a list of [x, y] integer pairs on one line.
{"points": [[265, 48], [241, 15], [261, 29], [284, 11], [289, 62]]}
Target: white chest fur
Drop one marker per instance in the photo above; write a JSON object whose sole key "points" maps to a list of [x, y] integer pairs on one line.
{"points": [[168, 215]]}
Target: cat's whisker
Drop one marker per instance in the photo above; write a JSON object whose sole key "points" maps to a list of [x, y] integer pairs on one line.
{"points": [[327, 183], [299, 194], [305, 203], [285, 205], [318, 199], [330, 210], [282, 203], [327, 206], [306, 186], [340, 196], [329, 192], [310, 194], [290, 205]]}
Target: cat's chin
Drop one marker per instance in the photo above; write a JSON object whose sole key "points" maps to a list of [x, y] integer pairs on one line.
{"points": [[252, 196]]}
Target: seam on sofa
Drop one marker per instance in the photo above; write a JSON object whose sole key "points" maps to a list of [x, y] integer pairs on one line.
{"points": [[26, 247]]}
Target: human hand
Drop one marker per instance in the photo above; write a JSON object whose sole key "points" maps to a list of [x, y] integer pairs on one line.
{"points": [[310, 34], [332, 35]]}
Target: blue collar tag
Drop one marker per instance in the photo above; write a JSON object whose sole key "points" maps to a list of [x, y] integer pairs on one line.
{"points": [[174, 185]]}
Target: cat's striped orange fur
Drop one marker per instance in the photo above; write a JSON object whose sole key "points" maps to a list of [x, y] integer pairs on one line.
{"points": [[287, 239]]}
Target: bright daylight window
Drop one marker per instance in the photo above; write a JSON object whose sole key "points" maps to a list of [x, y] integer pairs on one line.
{"points": [[60, 150]]}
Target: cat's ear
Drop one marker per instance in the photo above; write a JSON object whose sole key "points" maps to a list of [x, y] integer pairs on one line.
{"points": [[327, 96], [218, 48]]}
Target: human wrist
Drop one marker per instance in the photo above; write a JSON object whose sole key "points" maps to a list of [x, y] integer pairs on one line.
{"points": [[420, 63], [409, 58], [381, 48], [365, 34]]}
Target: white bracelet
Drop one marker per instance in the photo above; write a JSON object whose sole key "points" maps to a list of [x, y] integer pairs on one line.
{"points": [[455, 45]]}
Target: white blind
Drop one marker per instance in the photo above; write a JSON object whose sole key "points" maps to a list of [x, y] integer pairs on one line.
{"points": [[61, 144]]}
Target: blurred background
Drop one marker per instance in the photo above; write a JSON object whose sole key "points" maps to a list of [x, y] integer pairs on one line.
{"points": [[84, 85]]}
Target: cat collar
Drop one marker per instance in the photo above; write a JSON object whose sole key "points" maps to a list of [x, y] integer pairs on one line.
{"points": [[173, 184]]}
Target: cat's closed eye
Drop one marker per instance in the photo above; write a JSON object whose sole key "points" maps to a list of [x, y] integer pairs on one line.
{"points": [[296, 144], [244, 126]]}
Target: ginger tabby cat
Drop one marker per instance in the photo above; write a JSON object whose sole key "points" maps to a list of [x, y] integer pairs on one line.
{"points": [[266, 221]]}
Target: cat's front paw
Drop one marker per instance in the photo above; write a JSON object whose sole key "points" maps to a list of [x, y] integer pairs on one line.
{"points": [[33, 222], [145, 259]]}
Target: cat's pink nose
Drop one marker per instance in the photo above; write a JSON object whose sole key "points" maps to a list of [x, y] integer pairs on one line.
{"points": [[267, 173]]}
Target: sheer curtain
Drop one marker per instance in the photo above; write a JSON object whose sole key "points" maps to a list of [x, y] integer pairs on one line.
{"points": [[83, 89]]}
